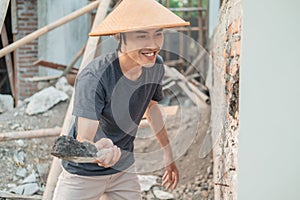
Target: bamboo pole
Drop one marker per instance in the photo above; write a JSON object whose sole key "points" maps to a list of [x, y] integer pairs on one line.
{"points": [[75, 59], [46, 29], [89, 54], [49, 132]]}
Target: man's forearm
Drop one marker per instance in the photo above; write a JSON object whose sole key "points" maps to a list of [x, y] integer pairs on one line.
{"points": [[86, 129], [156, 122]]}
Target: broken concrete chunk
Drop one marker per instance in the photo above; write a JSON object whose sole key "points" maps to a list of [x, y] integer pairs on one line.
{"points": [[63, 85], [18, 190], [30, 179], [21, 172], [6, 103], [44, 100], [31, 188], [147, 182], [19, 157], [162, 194]]}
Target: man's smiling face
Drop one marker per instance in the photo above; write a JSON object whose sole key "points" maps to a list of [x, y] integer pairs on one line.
{"points": [[143, 46]]}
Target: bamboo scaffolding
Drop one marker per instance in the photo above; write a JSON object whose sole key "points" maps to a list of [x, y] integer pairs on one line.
{"points": [[89, 54], [34, 35], [49, 132]]}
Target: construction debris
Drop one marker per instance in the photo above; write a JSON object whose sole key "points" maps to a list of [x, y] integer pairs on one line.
{"points": [[6, 103], [44, 100], [147, 182], [174, 79]]}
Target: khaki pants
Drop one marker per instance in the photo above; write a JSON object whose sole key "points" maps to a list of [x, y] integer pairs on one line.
{"points": [[122, 185]]}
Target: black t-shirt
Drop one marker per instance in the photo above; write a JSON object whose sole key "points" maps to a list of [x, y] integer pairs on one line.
{"points": [[103, 93]]}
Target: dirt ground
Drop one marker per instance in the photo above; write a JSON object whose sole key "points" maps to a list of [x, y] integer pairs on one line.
{"points": [[20, 158]]}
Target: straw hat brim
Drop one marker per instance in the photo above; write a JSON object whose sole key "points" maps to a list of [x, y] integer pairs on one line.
{"points": [[134, 15]]}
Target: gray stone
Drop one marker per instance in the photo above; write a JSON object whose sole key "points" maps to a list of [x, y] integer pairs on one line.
{"points": [[21, 172], [162, 194], [18, 190], [15, 126], [63, 85], [196, 196], [44, 100], [19, 157], [20, 142], [147, 182], [204, 193], [11, 185], [43, 171], [30, 179], [30, 188], [6, 103]]}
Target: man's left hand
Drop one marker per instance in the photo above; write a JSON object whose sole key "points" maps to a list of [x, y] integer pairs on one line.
{"points": [[171, 176]]}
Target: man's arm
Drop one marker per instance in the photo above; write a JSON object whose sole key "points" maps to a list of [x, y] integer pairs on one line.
{"points": [[155, 119], [87, 129]]}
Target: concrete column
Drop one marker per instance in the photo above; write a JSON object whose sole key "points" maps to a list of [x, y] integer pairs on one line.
{"points": [[269, 161]]}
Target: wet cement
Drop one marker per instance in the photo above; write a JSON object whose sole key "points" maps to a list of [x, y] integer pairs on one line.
{"points": [[66, 146]]}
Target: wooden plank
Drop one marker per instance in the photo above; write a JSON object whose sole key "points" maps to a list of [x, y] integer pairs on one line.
{"points": [[75, 59], [195, 95], [52, 65], [190, 69], [34, 35], [8, 61], [88, 56], [43, 78], [8, 195], [3, 10], [49, 132]]}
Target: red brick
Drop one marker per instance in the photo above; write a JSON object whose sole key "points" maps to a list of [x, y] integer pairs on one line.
{"points": [[238, 48], [225, 53], [232, 49], [234, 69], [237, 24], [229, 30], [32, 24]]}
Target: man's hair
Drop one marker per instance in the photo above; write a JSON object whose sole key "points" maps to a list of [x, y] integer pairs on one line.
{"points": [[122, 37]]}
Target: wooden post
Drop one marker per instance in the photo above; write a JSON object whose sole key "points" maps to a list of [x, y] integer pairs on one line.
{"points": [[8, 60], [48, 28], [89, 54]]}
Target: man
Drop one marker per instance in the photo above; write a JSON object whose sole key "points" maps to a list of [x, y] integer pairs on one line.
{"points": [[111, 96]]}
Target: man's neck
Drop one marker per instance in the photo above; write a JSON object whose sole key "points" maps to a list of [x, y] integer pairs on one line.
{"points": [[129, 67]]}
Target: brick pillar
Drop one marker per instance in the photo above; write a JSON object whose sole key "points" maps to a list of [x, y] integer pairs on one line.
{"points": [[27, 22], [224, 92]]}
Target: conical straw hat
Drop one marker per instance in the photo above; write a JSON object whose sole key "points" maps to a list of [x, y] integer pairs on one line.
{"points": [[133, 15]]}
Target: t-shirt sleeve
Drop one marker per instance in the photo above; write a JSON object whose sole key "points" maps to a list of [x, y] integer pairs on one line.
{"points": [[89, 96], [158, 94]]}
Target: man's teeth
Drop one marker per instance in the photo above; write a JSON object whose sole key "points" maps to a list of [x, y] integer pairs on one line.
{"points": [[149, 54]]}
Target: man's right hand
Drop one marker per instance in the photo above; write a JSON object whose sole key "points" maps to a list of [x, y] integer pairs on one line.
{"points": [[112, 155]]}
